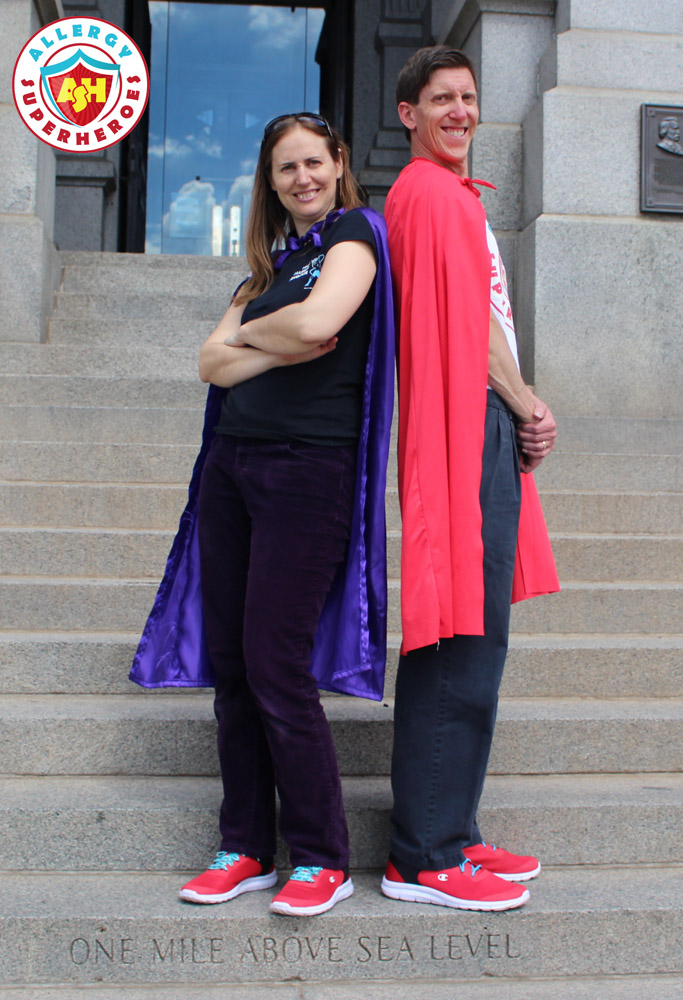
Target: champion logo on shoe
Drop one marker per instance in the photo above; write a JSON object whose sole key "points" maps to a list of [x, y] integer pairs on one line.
{"points": [[465, 887]]}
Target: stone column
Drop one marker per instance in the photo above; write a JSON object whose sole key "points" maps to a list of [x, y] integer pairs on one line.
{"points": [[401, 30], [87, 195], [27, 191], [505, 40], [603, 283]]}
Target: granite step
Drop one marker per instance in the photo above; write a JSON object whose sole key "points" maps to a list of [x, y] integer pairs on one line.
{"points": [[128, 778], [129, 552], [97, 305], [620, 435], [131, 928], [602, 607], [618, 557], [174, 425], [148, 424], [101, 390], [587, 558], [140, 360], [600, 511], [115, 505], [174, 734], [616, 439], [82, 604], [128, 823], [111, 462], [136, 357], [83, 552], [567, 470], [614, 987], [177, 332], [172, 463], [537, 666], [140, 505], [132, 274]]}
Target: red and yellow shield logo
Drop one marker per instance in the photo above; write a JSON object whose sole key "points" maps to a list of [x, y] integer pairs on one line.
{"points": [[79, 88]]}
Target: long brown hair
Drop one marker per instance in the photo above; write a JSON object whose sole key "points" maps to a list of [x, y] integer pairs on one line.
{"points": [[269, 221]]}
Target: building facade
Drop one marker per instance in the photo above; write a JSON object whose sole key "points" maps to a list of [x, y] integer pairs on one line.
{"points": [[114, 266], [595, 281]]}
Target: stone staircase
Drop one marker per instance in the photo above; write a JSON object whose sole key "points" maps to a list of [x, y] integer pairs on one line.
{"points": [[109, 794]]}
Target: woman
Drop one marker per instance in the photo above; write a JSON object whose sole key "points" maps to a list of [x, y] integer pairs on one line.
{"points": [[290, 519]]}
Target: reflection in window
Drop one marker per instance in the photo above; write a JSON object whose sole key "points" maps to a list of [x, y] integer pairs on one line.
{"points": [[219, 72]]}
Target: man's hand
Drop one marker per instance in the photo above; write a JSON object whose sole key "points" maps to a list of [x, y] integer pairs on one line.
{"points": [[536, 437]]}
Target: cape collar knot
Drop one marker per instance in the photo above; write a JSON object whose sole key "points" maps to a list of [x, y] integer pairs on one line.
{"points": [[311, 235], [469, 182]]}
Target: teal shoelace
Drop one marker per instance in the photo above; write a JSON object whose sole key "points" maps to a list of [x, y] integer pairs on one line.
{"points": [[225, 860], [475, 868], [305, 873]]}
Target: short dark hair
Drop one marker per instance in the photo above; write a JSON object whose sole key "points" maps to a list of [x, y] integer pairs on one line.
{"points": [[418, 70]]}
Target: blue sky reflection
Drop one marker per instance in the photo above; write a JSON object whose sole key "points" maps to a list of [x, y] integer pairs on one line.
{"points": [[219, 72]]}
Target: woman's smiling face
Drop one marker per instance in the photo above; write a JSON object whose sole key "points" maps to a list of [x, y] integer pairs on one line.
{"points": [[304, 176]]}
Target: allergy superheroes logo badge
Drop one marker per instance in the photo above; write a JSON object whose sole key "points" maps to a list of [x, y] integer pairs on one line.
{"points": [[80, 84]]}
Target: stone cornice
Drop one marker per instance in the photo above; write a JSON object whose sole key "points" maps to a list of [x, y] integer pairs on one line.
{"points": [[49, 10], [463, 14]]}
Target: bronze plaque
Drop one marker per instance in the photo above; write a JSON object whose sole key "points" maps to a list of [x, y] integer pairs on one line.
{"points": [[661, 158]]}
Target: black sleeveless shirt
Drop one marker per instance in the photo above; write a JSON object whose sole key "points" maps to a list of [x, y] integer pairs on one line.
{"points": [[317, 401]]}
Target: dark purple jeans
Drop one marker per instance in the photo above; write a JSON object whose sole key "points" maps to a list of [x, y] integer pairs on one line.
{"points": [[274, 523]]}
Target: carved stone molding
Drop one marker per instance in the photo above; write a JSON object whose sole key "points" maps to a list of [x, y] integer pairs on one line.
{"points": [[400, 31], [464, 14], [49, 10], [403, 9]]}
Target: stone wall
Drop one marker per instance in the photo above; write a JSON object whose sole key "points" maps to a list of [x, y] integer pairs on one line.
{"points": [[605, 312], [87, 198], [27, 190], [598, 295]]}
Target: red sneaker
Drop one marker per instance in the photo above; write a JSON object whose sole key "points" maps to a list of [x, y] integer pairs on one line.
{"points": [[311, 890], [229, 876], [465, 887], [504, 864]]}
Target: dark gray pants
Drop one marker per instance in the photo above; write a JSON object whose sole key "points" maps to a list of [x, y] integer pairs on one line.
{"points": [[447, 694]]}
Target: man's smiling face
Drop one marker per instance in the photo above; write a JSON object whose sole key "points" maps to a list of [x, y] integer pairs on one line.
{"points": [[444, 120]]}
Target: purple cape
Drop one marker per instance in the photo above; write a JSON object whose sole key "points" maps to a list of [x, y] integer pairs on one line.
{"points": [[349, 654]]}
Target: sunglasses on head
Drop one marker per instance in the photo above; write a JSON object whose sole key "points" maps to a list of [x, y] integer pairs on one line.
{"points": [[301, 116]]}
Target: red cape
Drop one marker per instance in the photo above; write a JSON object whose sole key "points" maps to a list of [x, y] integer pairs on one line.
{"points": [[441, 268]]}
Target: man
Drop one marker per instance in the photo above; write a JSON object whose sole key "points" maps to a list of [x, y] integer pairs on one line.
{"points": [[670, 134], [461, 448]]}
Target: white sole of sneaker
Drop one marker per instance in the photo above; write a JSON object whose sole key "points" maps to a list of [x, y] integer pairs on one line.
{"points": [[247, 885], [524, 877], [411, 893], [287, 910]]}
